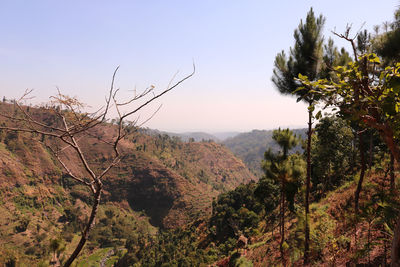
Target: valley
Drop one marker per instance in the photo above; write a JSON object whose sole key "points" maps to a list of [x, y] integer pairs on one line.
{"points": [[93, 171]]}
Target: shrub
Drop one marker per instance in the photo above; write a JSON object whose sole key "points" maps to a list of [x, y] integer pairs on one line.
{"points": [[23, 225]]}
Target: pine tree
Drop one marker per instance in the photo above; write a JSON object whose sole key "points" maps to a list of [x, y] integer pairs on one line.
{"points": [[287, 171], [306, 58], [387, 43]]}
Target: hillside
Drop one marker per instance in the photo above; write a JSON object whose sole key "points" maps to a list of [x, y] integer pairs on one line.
{"points": [[339, 238], [161, 182], [250, 147], [182, 177], [185, 137]]}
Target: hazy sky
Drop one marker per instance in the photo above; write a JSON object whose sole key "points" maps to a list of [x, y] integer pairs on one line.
{"points": [[76, 45]]}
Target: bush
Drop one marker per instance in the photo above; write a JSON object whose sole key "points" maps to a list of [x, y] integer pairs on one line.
{"points": [[23, 225], [237, 261], [11, 261], [30, 251], [236, 210]]}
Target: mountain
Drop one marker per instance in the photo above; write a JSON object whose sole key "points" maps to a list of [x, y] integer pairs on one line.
{"points": [[225, 135], [186, 137], [250, 147], [161, 182], [182, 177], [196, 136]]}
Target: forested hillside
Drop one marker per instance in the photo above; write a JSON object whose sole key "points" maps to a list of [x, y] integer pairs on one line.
{"points": [[250, 147], [162, 182]]}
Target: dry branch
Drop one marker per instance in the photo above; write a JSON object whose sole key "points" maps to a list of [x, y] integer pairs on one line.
{"points": [[71, 125]]}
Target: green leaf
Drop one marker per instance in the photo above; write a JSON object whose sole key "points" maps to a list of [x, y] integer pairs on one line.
{"points": [[303, 77], [373, 58], [318, 115], [299, 89]]}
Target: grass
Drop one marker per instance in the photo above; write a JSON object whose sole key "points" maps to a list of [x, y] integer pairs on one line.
{"points": [[111, 261], [258, 244], [94, 259]]}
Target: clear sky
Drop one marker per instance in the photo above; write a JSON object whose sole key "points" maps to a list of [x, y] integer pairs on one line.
{"points": [[76, 45]]}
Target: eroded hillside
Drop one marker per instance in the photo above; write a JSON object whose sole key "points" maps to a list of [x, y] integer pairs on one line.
{"points": [[160, 180]]}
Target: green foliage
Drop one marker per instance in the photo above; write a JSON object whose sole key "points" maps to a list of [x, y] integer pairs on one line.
{"points": [[333, 57], [305, 57], [287, 171], [57, 246], [71, 216], [250, 147], [285, 139], [386, 43], [25, 202], [178, 247], [94, 259], [383, 92], [112, 228], [236, 211], [332, 153], [267, 192], [237, 261], [321, 234]]}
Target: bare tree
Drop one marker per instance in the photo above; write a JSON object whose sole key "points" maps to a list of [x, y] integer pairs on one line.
{"points": [[70, 124]]}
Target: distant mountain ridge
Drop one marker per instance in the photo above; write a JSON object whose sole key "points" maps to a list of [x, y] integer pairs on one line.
{"points": [[193, 136], [248, 146], [225, 135]]}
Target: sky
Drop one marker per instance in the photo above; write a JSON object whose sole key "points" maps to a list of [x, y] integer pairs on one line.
{"points": [[76, 45]]}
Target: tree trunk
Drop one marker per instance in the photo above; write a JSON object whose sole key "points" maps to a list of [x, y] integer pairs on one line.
{"points": [[388, 136], [88, 227], [362, 173], [384, 253], [392, 181], [395, 250], [308, 185], [395, 253], [281, 224], [371, 150], [283, 229]]}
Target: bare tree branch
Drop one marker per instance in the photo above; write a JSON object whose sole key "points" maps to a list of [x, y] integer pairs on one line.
{"points": [[71, 126]]}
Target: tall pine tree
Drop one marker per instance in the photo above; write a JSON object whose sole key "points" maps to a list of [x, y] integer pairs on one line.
{"points": [[306, 58], [287, 171]]}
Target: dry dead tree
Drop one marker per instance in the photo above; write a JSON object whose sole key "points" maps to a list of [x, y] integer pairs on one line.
{"points": [[71, 124]]}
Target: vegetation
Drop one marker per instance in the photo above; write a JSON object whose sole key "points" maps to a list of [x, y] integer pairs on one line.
{"points": [[50, 205], [287, 171], [305, 59], [172, 203], [332, 154], [250, 147], [368, 91]]}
